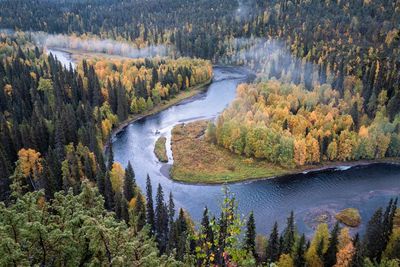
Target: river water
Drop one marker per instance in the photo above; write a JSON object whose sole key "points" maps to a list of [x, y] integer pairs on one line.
{"points": [[308, 195]]}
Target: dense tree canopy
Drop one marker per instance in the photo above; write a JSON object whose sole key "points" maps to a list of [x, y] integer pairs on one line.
{"points": [[286, 124]]}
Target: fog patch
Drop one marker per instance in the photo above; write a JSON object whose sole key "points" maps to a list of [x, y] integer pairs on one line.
{"points": [[96, 45], [271, 58]]}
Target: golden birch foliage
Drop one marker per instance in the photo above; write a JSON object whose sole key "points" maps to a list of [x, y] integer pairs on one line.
{"points": [[382, 145], [313, 154], [344, 237], [300, 152], [285, 260], [117, 175], [322, 233]]}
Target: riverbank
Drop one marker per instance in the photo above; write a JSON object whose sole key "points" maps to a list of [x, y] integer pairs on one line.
{"points": [[160, 150], [197, 161], [165, 104]]}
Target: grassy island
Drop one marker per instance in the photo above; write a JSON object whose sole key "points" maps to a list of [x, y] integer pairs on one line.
{"points": [[350, 217], [198, 161], [160, 149]]}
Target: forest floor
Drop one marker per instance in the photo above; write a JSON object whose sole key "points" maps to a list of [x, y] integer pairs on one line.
{"points": [[199, 161]]}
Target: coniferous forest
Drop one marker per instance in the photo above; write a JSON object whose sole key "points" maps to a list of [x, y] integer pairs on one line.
{"points": [[326, 89]]}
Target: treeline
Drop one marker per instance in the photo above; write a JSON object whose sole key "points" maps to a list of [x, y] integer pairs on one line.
{"points": [[287, 124], [132, 86], [75, 229], [340, 38], [59, 119]]}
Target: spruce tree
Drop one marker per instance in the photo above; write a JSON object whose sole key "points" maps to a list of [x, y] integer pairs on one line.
{"points": [[124, 210], [171, 209], [388, 218], [100, 182], [357, 259], [182, 235], [330, 255], [108, 192], [320, 249], [373, 238], [110, 155], [207, 238], [299, 256], [117, 205], [273, 245], [161, 220], [5, 172], [140, 212], [129, 182], [250, 239], [149, 206], [288, 235]]}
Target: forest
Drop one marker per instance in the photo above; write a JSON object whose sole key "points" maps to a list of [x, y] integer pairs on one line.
{"points": [[287, 124], [327, 89]]}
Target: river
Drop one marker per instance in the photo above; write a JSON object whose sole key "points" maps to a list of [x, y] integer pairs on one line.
{"points": [[308, 195]]}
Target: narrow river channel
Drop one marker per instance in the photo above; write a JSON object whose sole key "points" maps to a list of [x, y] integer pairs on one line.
{"points": [[316, 194]]}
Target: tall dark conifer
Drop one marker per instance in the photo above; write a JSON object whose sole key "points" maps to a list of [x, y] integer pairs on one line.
{"points": [[161, 220], [288, 235], [129, 182], [357, 259], [110, 155], [330, 255], [273, 245], [373, 239], [139, 212], [299, 256], [250, 239], [108, 192], [171, 209], [149, 206]]}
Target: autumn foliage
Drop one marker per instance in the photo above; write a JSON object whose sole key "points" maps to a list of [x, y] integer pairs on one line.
{"points": [[289, 125]]}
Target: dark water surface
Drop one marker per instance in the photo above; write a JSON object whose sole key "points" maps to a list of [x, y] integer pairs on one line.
{"points": [[309, 195]]}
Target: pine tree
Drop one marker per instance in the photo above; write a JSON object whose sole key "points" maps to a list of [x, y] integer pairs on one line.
{"points": [[330, 255], [129, 182], [150, 206], [250, 239], [273, 245]]}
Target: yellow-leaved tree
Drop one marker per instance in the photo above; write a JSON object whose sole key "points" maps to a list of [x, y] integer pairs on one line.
{"points": [[117, 175]]}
